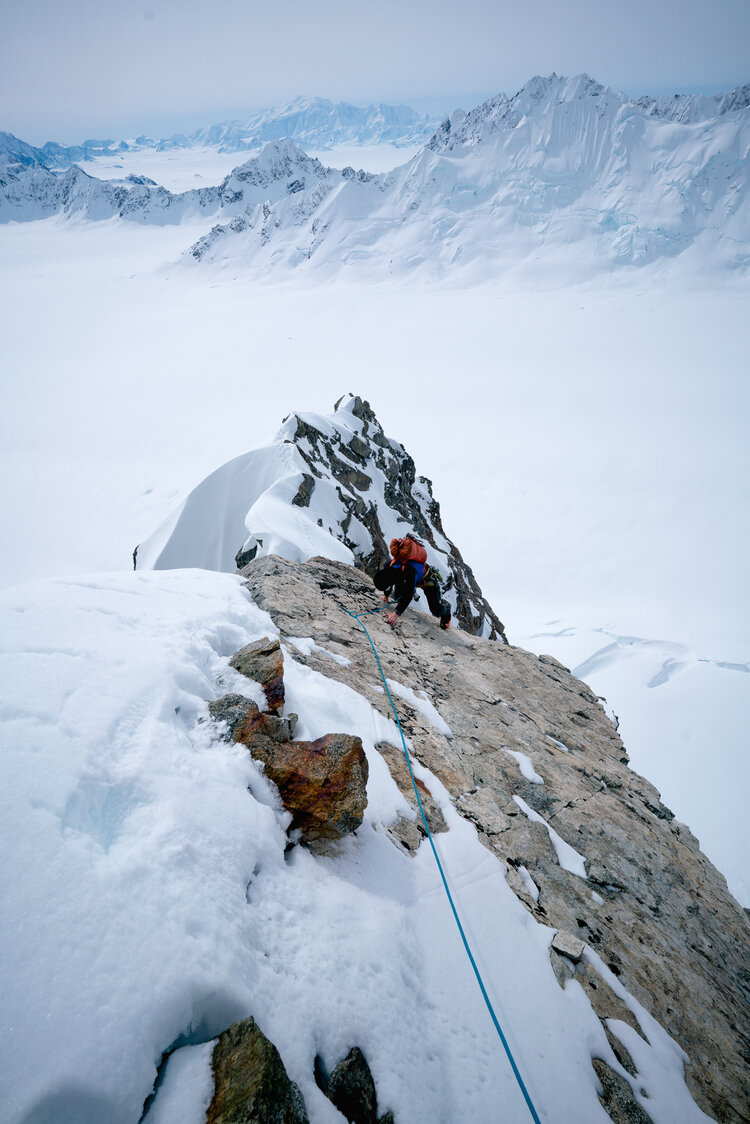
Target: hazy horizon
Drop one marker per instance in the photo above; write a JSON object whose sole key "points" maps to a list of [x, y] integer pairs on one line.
{"points": [[71, 70], [430, 105]]}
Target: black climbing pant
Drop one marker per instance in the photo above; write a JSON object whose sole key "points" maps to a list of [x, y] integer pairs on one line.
{"points": [[402, 580]]}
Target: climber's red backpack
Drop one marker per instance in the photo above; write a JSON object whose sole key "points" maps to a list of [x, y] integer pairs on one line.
{"points": [[408, 549]]}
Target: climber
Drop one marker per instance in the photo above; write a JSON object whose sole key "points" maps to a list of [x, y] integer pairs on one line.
{"points": [[407, 571]]}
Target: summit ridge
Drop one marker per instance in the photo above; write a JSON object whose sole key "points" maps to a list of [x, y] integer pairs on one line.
{"points": [[328, 485]]}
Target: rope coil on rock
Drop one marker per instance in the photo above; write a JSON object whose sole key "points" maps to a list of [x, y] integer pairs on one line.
{"points": [[480, 981]]}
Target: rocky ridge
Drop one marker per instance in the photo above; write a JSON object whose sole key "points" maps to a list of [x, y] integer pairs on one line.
{"points": [[589, 849], [29, 190], [329, 484], [353, 466]]}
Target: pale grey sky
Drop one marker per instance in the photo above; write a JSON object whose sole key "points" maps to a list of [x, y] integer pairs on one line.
{"points": [[72, 69]]}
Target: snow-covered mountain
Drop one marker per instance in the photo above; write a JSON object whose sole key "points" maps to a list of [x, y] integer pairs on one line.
{"points": [[309, 122], [566, 172], [29, 192], [318, 123], [333, 486]]}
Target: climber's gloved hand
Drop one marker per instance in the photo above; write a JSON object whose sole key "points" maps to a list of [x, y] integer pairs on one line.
{"points": [[391, 619]]}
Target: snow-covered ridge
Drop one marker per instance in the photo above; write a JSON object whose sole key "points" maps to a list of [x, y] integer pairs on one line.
{"points": [[29, 192], [686, 107], [329, 485], [541, 95]]}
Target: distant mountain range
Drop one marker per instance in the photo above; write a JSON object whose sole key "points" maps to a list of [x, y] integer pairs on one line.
{"points": [[566, 169], [308, 122]]}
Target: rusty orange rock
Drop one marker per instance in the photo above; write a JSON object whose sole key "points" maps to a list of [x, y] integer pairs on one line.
{"points": [[322, 783]]}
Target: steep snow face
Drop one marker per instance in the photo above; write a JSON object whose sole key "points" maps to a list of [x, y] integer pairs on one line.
{"points": [[333, 486], [566, 168]]}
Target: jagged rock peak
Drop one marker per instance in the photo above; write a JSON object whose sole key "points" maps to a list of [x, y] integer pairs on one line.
{"points": [[373, 463], [330, 485]]}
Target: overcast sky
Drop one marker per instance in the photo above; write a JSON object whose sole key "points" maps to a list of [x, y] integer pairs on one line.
{"points": [[72, 69]]}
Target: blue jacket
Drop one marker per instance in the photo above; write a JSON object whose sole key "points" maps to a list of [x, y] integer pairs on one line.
{"points": [[407, 576]]}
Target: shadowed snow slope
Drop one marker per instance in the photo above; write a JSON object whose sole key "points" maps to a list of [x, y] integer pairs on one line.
{"points": [[695, 752], [332, 485]]}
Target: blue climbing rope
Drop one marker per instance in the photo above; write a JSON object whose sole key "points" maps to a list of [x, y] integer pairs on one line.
{"points": [[480, 981]]}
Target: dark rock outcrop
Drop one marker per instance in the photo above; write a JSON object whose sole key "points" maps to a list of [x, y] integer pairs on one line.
{"points": [[351, 1089], [251, 1083], [263, 662], [323, 783], [351, 466], [244, 720]]}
